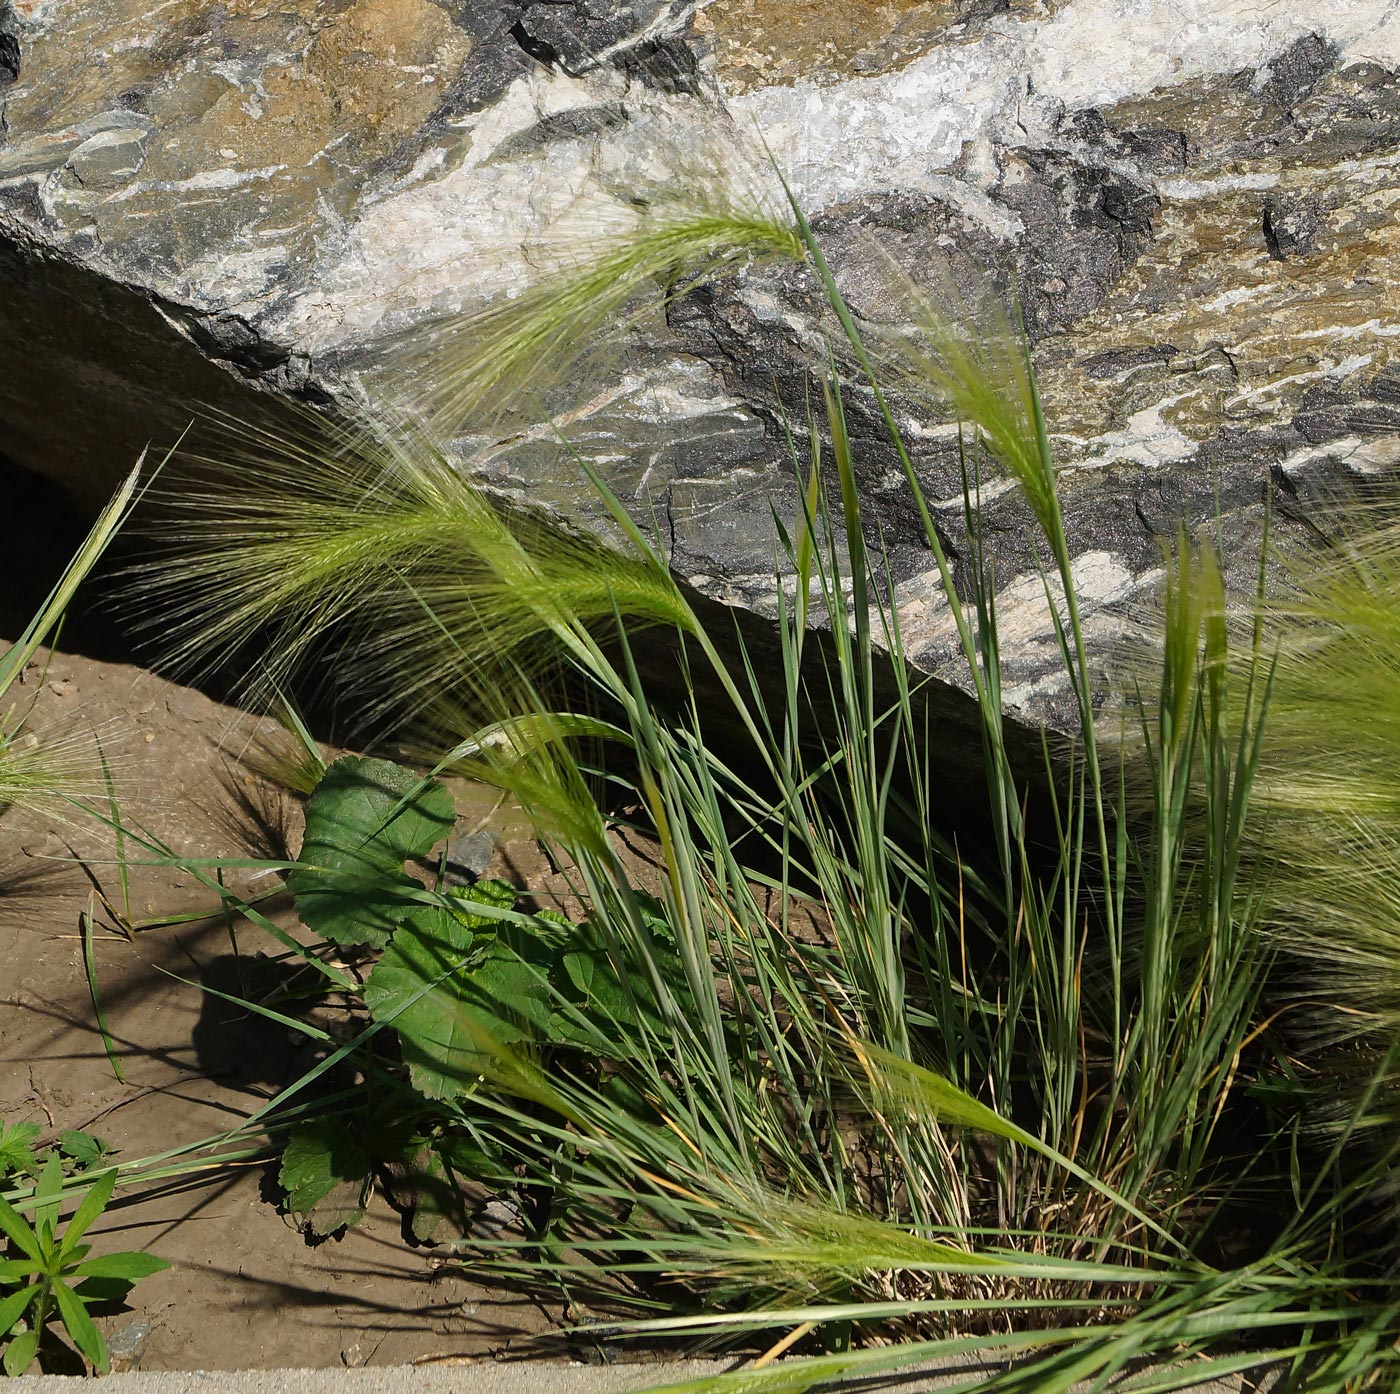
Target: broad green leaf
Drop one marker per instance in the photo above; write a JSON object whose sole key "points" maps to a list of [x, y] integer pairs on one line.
{"points": [[608, 1001], [510, 989], [591, 974], [467, 1157], [17, 1231], [624, 1094], [81, 1327], [654, 917], [127, 1266], [20, 1353], [498, 893], [93, 1204], [13, 1307], [419, 986], [365, 820], [454, 1000], [13, 1268], [325, 1176], [436, 1173]]}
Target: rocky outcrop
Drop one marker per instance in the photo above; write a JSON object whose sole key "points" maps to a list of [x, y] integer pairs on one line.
{"points": [[1194, 201]]}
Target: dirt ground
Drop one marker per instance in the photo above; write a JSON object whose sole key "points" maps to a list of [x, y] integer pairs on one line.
{"points": [[245, 1290]]}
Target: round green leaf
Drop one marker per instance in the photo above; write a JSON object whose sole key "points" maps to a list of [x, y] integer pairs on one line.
{"points": [[364, 821], [325, 1176], [454, 1001]]}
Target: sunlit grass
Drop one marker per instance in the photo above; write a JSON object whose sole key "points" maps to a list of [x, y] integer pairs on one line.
{"points": [[369, 531], [472, 368], [1330, 792]]}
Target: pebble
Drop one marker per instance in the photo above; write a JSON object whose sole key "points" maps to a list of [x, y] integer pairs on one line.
{"points": [[127, 1345], [496, 1218]]}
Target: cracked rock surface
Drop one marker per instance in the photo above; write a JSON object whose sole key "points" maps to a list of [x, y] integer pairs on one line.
{"points": [[1194, 202]]}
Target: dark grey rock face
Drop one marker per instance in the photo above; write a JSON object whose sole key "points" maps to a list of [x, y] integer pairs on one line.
{"points": [[222, 202]]}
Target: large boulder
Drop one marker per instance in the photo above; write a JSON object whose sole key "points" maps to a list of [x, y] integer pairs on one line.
{"points": [[1194, 202]]}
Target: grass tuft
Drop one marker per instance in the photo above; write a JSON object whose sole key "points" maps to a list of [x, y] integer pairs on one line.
{"points": [[847, 1075], [1330, 800], [366, 536]]}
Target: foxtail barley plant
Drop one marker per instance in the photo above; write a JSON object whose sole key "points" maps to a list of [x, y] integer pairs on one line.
{"points": [[856, 1088]]}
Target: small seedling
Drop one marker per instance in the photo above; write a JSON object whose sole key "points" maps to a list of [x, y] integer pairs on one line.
{"points": [[53, 1275], [17, 1156], [20, 1158], [81, 1151]]}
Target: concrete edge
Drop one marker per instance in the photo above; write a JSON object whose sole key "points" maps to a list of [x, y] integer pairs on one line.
{"points": [[489, 1376]]}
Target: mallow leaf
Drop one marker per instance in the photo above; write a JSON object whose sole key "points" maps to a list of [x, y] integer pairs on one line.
{"points": [[454, 989], [614, 995], [365, 819], [440, 1173], [325, 1176]]}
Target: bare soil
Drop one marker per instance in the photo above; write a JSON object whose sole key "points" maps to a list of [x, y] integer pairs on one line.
{"points": [[245, 1289]]}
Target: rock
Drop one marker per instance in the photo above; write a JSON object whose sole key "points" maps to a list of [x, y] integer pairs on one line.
{"points": [[469, 853], [498, 1217], [1291, 227], [227, 202], [108, 158], [127, 1344]]}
